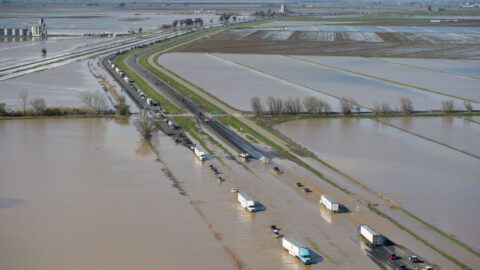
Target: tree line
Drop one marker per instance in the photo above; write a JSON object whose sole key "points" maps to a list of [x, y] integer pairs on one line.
{"points": [[313, 105], [94, 102]]}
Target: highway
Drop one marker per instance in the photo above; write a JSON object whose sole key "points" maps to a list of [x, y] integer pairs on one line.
{"points": [[224, 133]]}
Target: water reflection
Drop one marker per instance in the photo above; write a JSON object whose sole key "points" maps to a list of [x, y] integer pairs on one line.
{"points": [[145, 148], [447, 120]]}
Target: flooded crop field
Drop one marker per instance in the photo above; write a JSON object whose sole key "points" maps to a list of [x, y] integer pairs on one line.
{"points": [[87, 20], [364, 90], [16, 53], [450, 84], [85, 194], [460, 67], [427, 179], [233, 83], [59, 86], [457, 132]]}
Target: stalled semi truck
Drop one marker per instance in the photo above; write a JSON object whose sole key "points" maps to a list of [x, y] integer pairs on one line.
{"points": [[374, 238], [329, 203], [200, 153], [296, 249], [247, 202]]}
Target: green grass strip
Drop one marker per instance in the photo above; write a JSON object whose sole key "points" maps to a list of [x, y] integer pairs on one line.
{"points": [[178, 86], [149, 91]]}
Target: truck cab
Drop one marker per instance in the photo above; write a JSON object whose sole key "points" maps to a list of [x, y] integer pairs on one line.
{"points": [[305, 256]]}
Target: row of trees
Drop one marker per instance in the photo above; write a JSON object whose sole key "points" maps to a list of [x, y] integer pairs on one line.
{"points": [[94, 102], [313, 105]]}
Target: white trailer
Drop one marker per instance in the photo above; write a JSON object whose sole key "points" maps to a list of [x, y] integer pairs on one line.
{"points": [[370, 234], [246, 202], [199, 152], [329, 203], [296, 249]]}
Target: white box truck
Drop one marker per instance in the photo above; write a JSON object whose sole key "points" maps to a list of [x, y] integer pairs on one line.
{"points": [[199, 153], [329, 203], [374, 238], [296, 249], [246, 202]]}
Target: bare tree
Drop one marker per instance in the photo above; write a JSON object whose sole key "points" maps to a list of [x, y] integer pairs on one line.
{"points": [[292, 106], [347, 105], [275, 105], [376, 107], [312, 104], [386, 108], [448, 106], [95, 101], [406, 105], [257, 106], [39, 105], [326, 107], [23, 100], [146, 127], [297, 106], [468, 105]]}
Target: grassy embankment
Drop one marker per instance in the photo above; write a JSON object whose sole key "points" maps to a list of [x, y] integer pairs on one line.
{"points": [[143, 85]]}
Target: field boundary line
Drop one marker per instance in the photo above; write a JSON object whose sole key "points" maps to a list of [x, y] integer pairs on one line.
{"points": [[420, 67], [426, 138]]}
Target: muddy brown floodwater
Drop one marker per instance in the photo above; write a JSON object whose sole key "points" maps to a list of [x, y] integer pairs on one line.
{"points": [[426, 178], [86, 194]]}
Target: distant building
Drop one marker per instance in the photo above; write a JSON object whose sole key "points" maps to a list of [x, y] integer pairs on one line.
{"points": [[283, 8], [40, 30]]}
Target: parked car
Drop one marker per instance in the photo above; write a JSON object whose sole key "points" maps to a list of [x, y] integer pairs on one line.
{"points": [[401, 267], [220, 179], [298, 184], [427, 268], [307, 190], [413, 259], [273, 228], [234, 190], [277, 235]]}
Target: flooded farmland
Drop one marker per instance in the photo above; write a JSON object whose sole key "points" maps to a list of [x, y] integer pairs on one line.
{"points": [[59, 86], [85, 194], [427, 179], [233, 83], [450, 84], [364, 90], [456, 132]]}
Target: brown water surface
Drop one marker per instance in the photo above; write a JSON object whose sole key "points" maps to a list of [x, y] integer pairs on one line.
{"points": [[86, 194], [434, 182]]}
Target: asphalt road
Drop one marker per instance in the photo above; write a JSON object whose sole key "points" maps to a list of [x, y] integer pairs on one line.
{"points": [[224, 133]]}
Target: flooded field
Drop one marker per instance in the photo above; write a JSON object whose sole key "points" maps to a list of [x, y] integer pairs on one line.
{"points": [[364, 90], [58, 86], [427, 179], [16, 53], [461, 67], [85, 194], [450, 84], [233, 83], [87, 20], [453, 131]]}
